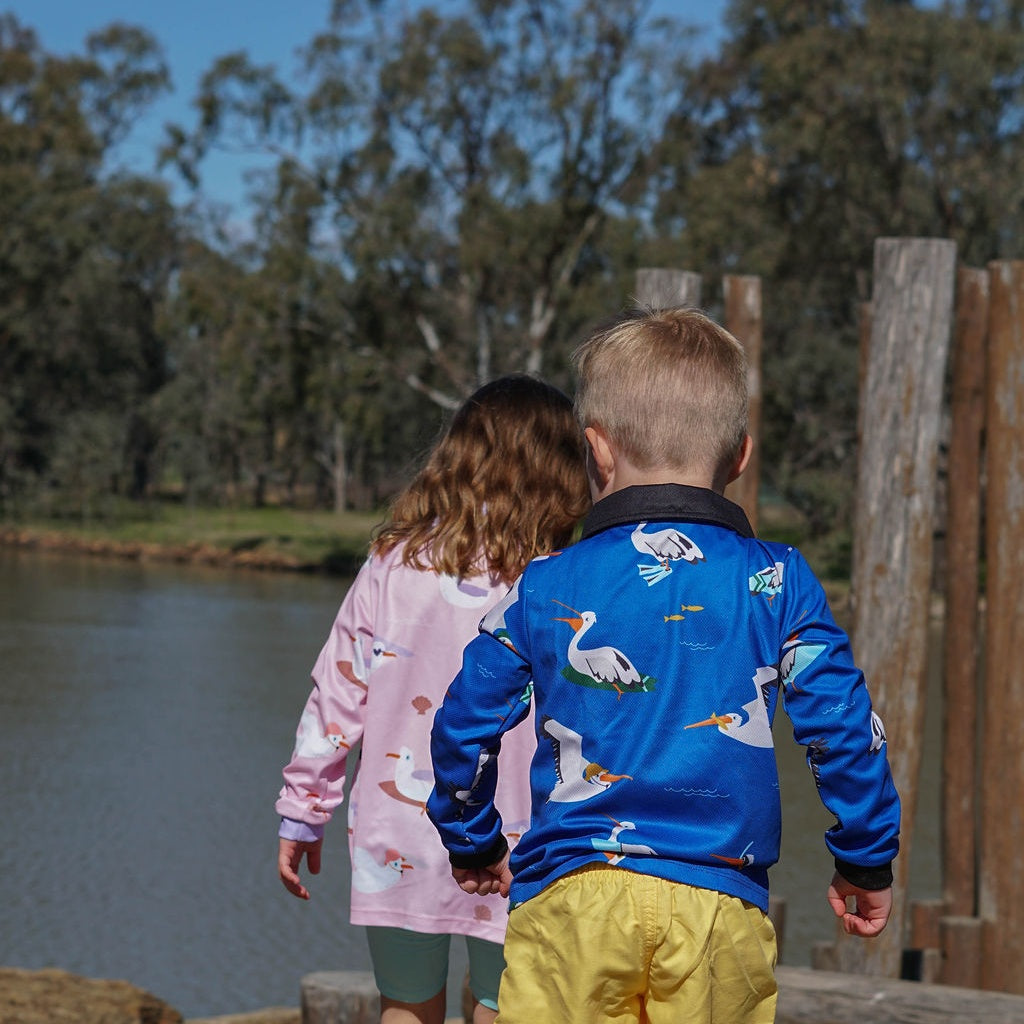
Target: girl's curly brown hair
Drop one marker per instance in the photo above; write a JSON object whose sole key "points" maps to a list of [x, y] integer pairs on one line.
{"points": [[505, 483]]}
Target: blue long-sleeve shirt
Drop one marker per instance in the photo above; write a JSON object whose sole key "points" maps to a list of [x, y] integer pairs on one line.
{"points": [[656, 650]]}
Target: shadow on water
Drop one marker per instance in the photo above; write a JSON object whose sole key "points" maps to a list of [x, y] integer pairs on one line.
{"points": [[145, 712]]}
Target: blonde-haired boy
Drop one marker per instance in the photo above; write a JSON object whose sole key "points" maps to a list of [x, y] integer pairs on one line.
{"points": [[655, 651], [670, 390]]}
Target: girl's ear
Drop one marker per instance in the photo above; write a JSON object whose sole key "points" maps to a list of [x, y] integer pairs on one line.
{"points": [[600, 460]]}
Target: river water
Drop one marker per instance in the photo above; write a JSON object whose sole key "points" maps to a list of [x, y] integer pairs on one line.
{"points": [[145, 713]]}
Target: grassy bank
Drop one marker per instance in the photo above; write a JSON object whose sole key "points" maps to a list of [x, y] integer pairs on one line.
{"points": [[311, 540], [264, 538]]}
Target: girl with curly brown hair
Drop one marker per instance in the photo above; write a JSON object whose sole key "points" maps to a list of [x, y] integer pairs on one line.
{"points": [[504, 484]]}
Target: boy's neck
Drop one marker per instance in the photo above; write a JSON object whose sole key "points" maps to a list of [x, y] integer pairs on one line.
{"points": [[610, 469], [626, 475]]}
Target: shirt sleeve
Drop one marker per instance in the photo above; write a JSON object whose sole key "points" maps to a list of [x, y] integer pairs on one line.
{"points": [[300, 831], [827, 700], [332, 719], [490, 695]]}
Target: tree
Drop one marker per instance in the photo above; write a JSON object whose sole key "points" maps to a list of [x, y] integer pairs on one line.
{"points": [[469, 165], [273, 394], [83, 259]]}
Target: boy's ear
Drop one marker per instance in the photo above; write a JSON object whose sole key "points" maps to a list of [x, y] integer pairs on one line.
{"points": [[746, 449], [600, 457]]}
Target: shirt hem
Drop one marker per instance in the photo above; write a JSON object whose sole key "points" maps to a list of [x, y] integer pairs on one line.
{"points": [[492, 931], [731, 884]]}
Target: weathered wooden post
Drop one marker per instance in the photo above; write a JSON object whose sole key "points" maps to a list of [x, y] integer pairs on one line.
{"points": [[960, 939], [1001, 881], [863, 352], [662, 288], [864, 325], [339, 997], [960, 636], [912, 306], [744, 320]]}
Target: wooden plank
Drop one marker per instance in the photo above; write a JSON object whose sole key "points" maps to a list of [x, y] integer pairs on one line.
{"points": [[825, 997], [960, 637], [744, 320], [663, 288], [894, 522], [1001, 881]]}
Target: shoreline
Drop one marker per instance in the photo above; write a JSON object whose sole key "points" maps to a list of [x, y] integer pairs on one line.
{"points": [[244, 557], [192, 553]]}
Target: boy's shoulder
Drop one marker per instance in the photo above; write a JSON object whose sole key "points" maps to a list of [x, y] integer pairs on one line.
{"points": [[654, 547]]}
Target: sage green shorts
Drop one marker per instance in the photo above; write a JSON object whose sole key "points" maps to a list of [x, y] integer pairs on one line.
{"points": [[607, 944], [412, 967]]}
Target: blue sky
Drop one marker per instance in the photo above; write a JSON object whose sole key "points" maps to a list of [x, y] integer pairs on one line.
{"points": [[194, 32]]}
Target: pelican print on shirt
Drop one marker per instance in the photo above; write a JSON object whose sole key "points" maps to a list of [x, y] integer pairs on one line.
{"points": [[578, 778], [605, 668], [668, 545]]}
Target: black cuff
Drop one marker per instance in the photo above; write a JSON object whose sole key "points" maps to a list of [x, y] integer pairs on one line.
{"points": [[494, 853], [872, 879]]}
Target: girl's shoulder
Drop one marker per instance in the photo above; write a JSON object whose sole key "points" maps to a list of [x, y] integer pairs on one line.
{"points": [[385, 571], [393, 560], [394, 566]]}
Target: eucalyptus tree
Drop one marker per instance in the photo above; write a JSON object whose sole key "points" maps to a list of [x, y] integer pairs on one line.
{"points": [[200, 407], [470, 158], [83, 258], [272, 395], [306, 376]]}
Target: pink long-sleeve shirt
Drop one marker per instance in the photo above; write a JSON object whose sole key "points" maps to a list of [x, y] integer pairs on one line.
{"points": [[395, 646]]}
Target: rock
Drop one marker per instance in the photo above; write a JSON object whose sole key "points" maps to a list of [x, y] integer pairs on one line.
{"points": [[57, 997]]}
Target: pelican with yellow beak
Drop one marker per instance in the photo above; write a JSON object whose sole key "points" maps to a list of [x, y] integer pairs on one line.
{"points": [[750, 724]]}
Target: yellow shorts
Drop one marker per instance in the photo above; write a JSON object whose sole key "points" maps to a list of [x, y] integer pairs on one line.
{"points": [[607, 944]]}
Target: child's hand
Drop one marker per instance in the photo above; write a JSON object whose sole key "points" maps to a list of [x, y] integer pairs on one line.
{"points": [[871, 907], [289, 859], [484, 881]]}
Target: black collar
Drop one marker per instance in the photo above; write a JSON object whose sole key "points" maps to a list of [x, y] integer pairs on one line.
{"points": [[673, 502]]}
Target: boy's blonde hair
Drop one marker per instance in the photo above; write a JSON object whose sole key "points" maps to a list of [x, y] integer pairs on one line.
{"points": [[667, 386], [505, 483]]}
